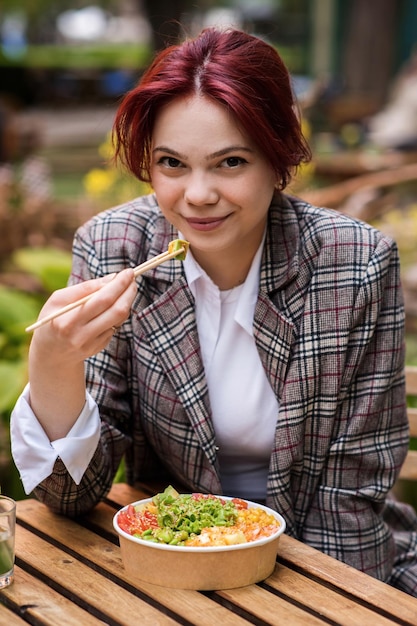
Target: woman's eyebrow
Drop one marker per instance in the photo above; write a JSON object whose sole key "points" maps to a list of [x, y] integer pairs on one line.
{"points": [[227, 150], [170, 150], [214, 155]]}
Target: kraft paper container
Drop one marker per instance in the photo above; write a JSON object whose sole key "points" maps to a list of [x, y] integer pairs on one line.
{"points": [[199, 568]]}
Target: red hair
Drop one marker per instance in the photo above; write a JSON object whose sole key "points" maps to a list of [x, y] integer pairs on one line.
{"points": [[237, 70]]}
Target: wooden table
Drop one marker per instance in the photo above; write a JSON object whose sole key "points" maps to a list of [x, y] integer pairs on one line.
{"points": [[70, 573]]}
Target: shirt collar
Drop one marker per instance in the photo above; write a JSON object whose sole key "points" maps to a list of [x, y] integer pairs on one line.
{"points": [[248, 295]]}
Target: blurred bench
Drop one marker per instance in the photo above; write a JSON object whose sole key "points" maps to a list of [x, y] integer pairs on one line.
{"points": [[409, 469]]}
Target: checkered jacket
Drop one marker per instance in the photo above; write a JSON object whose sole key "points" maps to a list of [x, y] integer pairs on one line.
{"points": [[328, 325]]}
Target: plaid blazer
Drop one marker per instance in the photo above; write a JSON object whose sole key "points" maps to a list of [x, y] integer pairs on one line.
{"points": [[329, 328]]}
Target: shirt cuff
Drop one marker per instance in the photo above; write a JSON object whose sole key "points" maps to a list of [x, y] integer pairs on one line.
{"points": [[35, 455]]}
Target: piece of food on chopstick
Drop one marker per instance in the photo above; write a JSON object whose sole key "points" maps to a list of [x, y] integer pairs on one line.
{"points": [[176, 244], [181, 245]]}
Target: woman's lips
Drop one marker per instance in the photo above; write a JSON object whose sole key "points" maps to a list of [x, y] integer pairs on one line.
{"points": [[206, 224]]}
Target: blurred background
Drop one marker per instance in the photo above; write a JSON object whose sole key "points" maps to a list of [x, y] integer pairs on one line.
{"points": [[64, 65]]}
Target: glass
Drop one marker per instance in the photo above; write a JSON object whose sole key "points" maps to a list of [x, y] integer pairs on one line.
{"points": [[7, 535]]}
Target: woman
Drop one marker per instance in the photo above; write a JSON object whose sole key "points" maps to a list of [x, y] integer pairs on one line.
{"points": [[267, 365]]}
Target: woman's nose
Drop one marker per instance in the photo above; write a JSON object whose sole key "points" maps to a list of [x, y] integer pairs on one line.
{"points": [[200, 190]]}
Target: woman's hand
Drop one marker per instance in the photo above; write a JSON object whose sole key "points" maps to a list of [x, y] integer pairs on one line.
{"points": [[59, 348], [87, 329]]}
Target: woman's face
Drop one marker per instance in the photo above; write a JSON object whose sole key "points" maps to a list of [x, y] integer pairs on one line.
{"points": [[210, 179]]}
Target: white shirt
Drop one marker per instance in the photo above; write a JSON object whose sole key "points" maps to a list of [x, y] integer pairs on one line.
{"points": [[33, 453], [244, 407]]}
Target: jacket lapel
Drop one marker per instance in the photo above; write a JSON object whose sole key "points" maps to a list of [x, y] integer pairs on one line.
{"points": [[275, 312], [279, 307], [170, 328]]}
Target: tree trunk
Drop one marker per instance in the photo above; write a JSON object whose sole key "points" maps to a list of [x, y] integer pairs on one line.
{"points": [[167, 19], [369, 49]]}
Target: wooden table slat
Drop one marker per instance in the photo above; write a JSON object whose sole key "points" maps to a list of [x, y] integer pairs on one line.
{"points": [[123, 494], [77, 580], [268, 607], [7, 617], [38, 602], [332, 604], [348, 579]]}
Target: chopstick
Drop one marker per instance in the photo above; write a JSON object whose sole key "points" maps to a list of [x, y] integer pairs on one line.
{"points": [[139, 269]]}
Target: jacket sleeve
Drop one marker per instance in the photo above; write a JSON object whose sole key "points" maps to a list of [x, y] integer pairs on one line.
{"points": [[369, 440], [106, 376]]}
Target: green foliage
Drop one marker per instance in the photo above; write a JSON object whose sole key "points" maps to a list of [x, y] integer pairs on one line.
{"points": [[13, 377], [17, 310], [50, 265], [411, 348], [106, 56], [121, 473]]}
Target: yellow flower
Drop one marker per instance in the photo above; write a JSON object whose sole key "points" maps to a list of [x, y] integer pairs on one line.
{"points": [[99, 181], [106, 149], [306, 128]]}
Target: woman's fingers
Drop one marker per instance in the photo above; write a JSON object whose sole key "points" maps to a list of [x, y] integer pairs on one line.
{"points": [[112, 303], [101, 299], [87, 329]]}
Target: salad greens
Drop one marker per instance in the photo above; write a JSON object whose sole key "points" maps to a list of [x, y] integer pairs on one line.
{"points": [[173, 518], [193, 512]]}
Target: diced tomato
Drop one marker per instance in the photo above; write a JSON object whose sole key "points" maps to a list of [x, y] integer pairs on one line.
{"points": [[206, 496], [202, 496], [132, 521], [240, 504]]}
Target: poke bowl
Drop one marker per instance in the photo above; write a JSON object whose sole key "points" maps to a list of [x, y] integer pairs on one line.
{"points": [[165, 541]]}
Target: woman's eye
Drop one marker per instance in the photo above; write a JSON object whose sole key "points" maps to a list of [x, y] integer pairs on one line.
{"points": [[233, 161], [170, 162]]}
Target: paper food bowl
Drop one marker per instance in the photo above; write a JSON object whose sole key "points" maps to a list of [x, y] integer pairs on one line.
{"points": [[199, 568]]}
